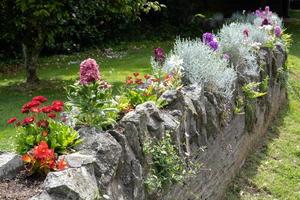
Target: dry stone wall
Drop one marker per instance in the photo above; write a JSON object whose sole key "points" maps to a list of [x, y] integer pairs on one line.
{"points": [[112, 165]]}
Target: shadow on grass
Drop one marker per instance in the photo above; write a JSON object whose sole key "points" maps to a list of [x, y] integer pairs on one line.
{"points": [[243, 182]]}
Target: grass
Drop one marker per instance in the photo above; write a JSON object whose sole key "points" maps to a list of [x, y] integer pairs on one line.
{"points": [[58, 71], [273, 171]]}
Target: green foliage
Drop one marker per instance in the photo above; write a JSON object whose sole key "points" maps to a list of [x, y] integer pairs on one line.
{"points": [[139, 90], [239, 105], [166, 167], [250, 90], [61, 137], [287, 40], [264, 85], [27, 137], [95, 104]]}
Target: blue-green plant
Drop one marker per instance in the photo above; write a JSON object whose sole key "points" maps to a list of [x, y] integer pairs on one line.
{"points": [[202, 65]]}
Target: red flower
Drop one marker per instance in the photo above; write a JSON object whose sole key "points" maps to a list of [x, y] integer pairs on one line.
{"points": [[40, 99], [43, 123], [52, 115], [45, 133], [155, 79], [28, 120], [61, 164], [57, 108], [52, 164], [129, 82], [35, 110], [42, 151], [57, 103], [25, 110], [136, 74], [11, 120], [147, 76], [129, 77], [138, 81], [32, 104], [26, 158], [47, 109]]}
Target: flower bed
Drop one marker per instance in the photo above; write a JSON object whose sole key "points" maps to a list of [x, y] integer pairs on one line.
{"points": [[188, 125]]}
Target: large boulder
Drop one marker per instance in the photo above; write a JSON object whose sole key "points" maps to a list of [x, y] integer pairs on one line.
{"points": [[72, 184], [10, 164], [101, 149]]}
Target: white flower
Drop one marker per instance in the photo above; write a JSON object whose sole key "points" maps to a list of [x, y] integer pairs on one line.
{"points": [[172, 63], [256, 45]]}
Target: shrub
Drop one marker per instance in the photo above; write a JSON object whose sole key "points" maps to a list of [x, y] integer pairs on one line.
{"points": [[166, 166], [94, 104], [92, 98], [41, 136], [138, 90], [203, 65], [38, 124]]}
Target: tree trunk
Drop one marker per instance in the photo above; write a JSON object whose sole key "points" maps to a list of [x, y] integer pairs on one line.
{"points": [[31, 51]]}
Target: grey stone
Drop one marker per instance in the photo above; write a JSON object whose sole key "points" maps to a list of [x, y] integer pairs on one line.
{"points": [[45, 196], [169, 96], [10, 164], [72, 184], [78, 159], [101, 149]]}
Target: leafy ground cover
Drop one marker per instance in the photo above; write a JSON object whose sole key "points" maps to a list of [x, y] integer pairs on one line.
{"points": [[273, 171], [58, 71]]}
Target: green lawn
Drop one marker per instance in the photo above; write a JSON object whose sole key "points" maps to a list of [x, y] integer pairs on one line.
{"points": [[273, 171], [58, 71]]}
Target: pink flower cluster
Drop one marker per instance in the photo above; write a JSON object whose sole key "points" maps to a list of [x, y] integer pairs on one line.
{"points": [[89, 71]]}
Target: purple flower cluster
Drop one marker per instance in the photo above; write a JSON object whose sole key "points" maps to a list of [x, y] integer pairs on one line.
{"points": [[89, 71], [277, 31], [210, 40], [159, 55], [264, 15]]}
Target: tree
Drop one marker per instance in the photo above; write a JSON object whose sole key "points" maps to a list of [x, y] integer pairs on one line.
{"points": [[34, 22]]}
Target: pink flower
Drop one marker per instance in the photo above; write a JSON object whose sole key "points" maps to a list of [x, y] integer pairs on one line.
{"points": [[246, 32], [89, 71]]}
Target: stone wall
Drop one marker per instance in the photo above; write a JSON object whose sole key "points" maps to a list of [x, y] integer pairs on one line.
{"points": [[112, 165]]}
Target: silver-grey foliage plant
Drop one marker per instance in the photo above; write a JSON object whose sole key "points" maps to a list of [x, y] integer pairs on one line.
{"points": [[203, 65], [241, 47]]}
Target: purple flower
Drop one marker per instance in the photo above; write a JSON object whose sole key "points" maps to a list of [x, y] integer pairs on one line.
{"points": [[89, 71], [277, 31], [159, 55], [207, 38], [226, 57], [259, 13], [246, 32], [213, 44], [265, 22]]}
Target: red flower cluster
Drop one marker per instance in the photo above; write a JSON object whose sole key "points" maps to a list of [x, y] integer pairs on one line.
{"points": [[136, 79], [44, 159], [34, 107]]}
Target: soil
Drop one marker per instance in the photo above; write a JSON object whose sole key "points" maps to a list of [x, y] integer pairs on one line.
{"points": [[22, 187]]}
